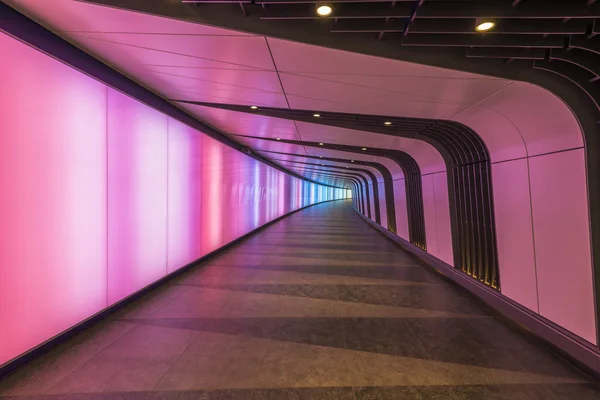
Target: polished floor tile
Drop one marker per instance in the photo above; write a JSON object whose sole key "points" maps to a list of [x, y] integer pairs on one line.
{"points": [[318, 306]]}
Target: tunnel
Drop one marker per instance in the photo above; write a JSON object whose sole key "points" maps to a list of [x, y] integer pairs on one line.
{"points": [[304, 199]]}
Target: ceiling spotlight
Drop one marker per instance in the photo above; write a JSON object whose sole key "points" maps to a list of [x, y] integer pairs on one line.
{"points": [[320, 144], [253, 107], [387, 123], [320, 156], [483, 25], [351, 160], [316, 115], [278, 138], [364, 148], [324, 10]]}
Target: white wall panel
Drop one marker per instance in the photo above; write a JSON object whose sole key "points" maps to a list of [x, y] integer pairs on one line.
{"points": [[514, 232], [562, 242]]}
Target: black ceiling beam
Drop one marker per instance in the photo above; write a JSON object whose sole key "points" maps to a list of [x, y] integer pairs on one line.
{"points": [[314, 2], [355, 10], [592, 44], [217, 1], [580, 58], [580, 77], [532, 9], [463, 26], [502, 52], [458, 40]]}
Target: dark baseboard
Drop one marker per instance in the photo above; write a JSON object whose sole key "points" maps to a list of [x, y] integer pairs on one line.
{"points": [[18, 362], [578, 351]]}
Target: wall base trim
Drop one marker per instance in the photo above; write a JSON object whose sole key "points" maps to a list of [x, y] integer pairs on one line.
{"points": [[25, 358], [580, 352]]}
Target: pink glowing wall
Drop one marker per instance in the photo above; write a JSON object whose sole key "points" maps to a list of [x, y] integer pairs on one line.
{"points": [[562, 244], [102, 195], [137, 195], [437, 216], [514, 228], [52, 198]]}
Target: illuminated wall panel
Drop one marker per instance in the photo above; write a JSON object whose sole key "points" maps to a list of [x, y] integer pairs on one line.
{"points": [[248, 212], [562, 241], [102, 196], [184, 195], [52, 197], [514, 227], [230, 208], [137, 195], [212, 196]]}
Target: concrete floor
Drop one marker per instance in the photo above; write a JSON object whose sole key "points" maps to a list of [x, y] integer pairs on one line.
{"points": [[317, 306]]}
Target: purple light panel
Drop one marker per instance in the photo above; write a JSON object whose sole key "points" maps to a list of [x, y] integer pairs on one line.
{"points": [[102, 195]]}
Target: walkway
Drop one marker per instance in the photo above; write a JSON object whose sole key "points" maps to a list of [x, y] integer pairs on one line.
{"points": [[318, 306]]}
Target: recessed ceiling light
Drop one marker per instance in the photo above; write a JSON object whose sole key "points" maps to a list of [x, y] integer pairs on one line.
{"points": [[320, 156], [485, 26], [320, 144], [253, 107], [324, 10], [351, 160], [364, 148], [387, 123], [316, 115], [278, 138]]}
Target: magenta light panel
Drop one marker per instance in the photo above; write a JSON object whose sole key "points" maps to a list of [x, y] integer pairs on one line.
{"points": [[102, 196]]}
